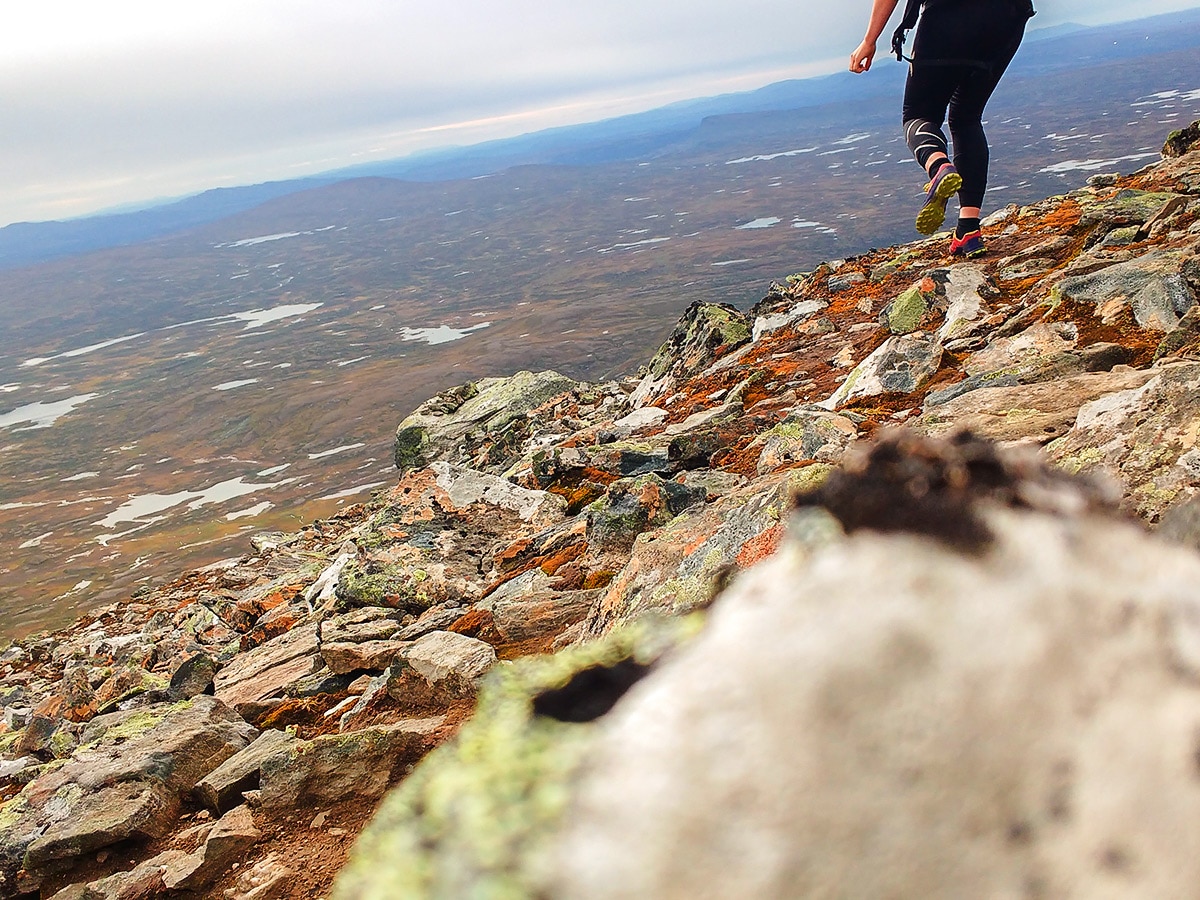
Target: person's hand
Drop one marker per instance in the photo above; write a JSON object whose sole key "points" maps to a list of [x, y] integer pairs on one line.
{"points": [[860, 59]]}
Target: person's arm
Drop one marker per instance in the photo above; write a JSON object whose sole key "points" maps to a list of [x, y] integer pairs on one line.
{"points": [[881, 11]]}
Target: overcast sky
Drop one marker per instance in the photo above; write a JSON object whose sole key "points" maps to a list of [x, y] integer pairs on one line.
{"points": [[107, 103]]}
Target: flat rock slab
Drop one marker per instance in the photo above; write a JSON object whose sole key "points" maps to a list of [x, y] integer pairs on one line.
{"points": [[466, 487], [1154, 286], [372, 623], [268, 669], [441, 666], [356, 764], [129, 810], [1040, 412], [373, 656]]}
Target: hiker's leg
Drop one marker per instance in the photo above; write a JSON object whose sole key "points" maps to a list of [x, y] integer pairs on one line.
{"points": [[926, 96], [971, 152]]}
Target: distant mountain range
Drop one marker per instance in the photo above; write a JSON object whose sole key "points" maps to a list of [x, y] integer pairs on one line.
{"points": [[626, 137]]}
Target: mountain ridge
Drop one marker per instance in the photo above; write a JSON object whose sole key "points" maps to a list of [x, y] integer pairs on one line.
{"points": [[255, 711], [620, 138]]}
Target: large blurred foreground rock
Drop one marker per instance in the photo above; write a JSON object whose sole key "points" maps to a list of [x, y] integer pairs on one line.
{"points": [[998, 697]]}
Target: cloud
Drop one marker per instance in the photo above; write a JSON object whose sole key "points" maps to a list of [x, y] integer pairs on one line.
{"points": [[133, 99]]}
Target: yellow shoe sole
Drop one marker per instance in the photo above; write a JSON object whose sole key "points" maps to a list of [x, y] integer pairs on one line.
{"points": [[933, 213]]}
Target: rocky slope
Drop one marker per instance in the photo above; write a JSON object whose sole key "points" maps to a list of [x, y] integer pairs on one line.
{"points": [[230, 733]]}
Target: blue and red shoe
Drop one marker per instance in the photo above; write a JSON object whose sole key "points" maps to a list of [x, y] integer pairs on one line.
{"points": [[937, 193], [968, 246]]}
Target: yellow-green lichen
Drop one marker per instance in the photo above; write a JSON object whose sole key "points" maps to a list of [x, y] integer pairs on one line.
{"points": [[809, 478], [1085, 459], [137, 724], [906, 311], [473, 817], [13, 811]]}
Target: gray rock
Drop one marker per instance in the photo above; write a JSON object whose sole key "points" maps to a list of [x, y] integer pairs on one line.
{"points": [[222, 788], [449, 663], [631, 505], [267, 879], [133, 809], [193, 676], [540, 616], [452, 424], [1144, 435], [705, 333], [1039, 412], [440, 666], [375, 687], [903, 364], [923, 724], [466, 487], [1154, 287], [804, 435], [332, 768], [679, 570]]}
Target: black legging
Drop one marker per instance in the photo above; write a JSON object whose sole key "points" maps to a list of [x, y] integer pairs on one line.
{"points": [[950, 38]]}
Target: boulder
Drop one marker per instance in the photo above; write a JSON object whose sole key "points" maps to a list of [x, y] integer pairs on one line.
{"points": [[898, 712], [705, 333], [489, 415], [509, 764], [631, 505], [194, 675], [679, 567], [1154, 288], [332, 768], [222, 788], [805, 434], [1145, 435], [1039, 412], [533, 620], [1182, 141], [951, 727], [130, 810], [441, 667], [466, 486], [903, 364]]}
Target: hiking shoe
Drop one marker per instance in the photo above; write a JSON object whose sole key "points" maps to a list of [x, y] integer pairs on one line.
{"points": [[944, 186], [968, 246]]}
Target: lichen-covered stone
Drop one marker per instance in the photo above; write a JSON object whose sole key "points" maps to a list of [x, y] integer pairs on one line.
{"points": [[1145, 435], [1155, 288], [332, 768], [486, 412], [441, 666], [471, 820], [632, 505], [903, 364], [889, 717]]}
